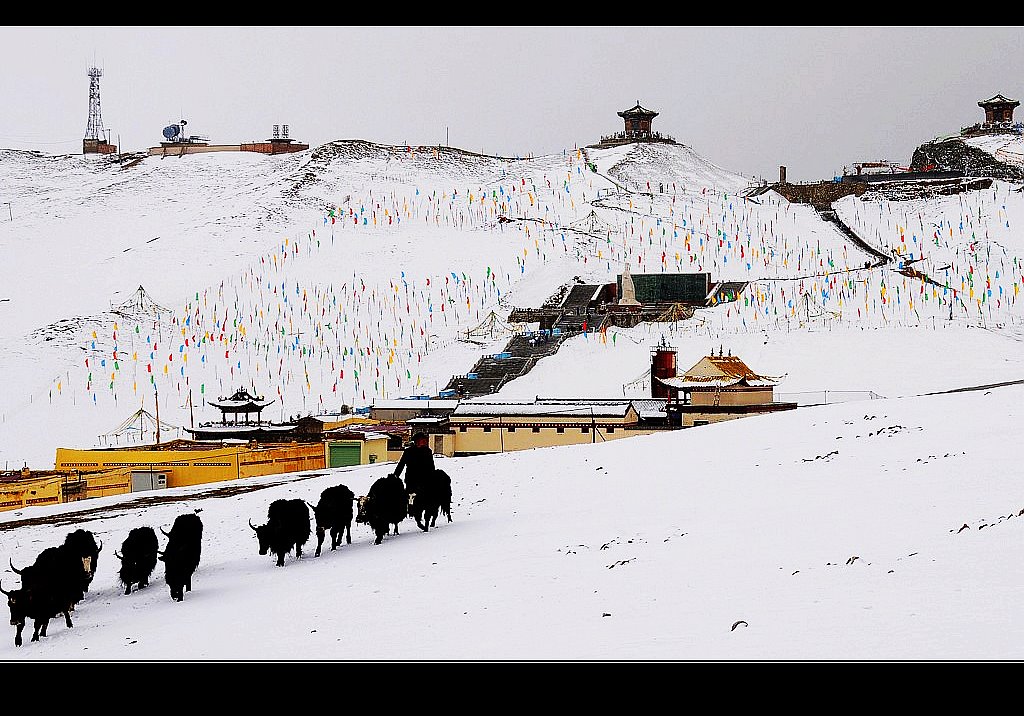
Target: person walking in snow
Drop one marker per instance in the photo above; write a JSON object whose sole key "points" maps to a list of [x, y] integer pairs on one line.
{"points": [[418, 458]]}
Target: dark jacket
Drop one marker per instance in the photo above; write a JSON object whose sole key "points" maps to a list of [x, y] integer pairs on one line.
{"points": [[420, 464]]}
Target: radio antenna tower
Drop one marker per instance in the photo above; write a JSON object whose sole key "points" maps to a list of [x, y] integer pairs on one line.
{"points": [[94, 130]]}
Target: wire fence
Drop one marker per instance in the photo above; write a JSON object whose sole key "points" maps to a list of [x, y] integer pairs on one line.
{"points": [[826, 397]]}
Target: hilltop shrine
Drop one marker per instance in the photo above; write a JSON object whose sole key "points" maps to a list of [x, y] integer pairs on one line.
{"points": [[998, 117], [637, 128]]}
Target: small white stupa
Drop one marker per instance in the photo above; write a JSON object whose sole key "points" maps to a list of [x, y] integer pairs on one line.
{"points": [[628, 297]]}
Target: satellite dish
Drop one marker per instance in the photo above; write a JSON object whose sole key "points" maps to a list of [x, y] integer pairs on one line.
{"points": [[171, 131]]}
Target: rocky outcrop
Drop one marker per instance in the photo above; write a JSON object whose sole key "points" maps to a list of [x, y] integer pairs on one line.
{"points": [[955, 155]]}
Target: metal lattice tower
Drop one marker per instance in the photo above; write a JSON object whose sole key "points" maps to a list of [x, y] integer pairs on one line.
{"points": [[94, 130]]}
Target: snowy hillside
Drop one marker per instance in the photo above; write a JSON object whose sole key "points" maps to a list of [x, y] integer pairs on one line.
{"points": [[335, 276], [347, 273], [1007, 148], [642, 167]]}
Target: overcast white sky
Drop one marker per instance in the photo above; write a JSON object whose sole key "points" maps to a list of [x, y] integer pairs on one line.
{"points": [[748, 98]]}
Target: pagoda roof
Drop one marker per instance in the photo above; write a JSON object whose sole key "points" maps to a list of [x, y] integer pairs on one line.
{"points": [[720, 372], [241, 402], [638, 111], [999, 99]]}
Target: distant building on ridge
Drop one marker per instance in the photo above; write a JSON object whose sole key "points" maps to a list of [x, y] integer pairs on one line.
{"points": [[998, 117], [637, 128]]}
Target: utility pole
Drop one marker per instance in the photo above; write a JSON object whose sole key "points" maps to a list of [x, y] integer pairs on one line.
{"points": [[156, 397]]}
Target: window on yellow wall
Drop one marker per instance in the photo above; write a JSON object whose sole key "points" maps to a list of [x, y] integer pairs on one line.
{"points": [[511, 430], [487, 429], [536, 430], [560, 430], [610, 430]]}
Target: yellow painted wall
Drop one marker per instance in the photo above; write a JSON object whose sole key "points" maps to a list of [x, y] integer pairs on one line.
{"points": [[196, 467], [447, 444], [378, 447], [102, 484], [47, 490]]}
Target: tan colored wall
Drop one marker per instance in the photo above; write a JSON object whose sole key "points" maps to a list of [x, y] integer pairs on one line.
{"points": [[447, 444], [181, 149], [394, 415], [630, 417], [475, 440], [732, 397], [690, 418]]}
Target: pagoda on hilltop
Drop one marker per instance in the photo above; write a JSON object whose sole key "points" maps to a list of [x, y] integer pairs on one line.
{"points": [[637, 120], [998, 117]]}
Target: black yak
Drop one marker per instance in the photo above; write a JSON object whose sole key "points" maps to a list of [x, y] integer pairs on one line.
{"points": [[334, 513], [181, 555], [443, 484], [425, 502], [138, 558], [83, 545], [287, 527], [386, 504], [50, 586]]}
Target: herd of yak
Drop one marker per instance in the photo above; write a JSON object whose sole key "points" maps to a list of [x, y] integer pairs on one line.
{"points": [[60, 576]]}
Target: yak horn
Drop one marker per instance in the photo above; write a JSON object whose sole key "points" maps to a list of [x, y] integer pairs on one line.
{"points": [[117, 555], [100, 549], [310, 504], [164, 533], [4, 590], [16, 570], [252, 525]]}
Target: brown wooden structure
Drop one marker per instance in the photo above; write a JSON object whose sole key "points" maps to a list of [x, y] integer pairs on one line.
{"points": [[98, 146], [636, 128], [998, 109]]}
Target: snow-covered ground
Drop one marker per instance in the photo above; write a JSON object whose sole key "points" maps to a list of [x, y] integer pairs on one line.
{"points": [[348, 273], [833, 532], [1006, 147]]}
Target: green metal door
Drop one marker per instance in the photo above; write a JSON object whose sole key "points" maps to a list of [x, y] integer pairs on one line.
{"points": [[344, 454]]}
